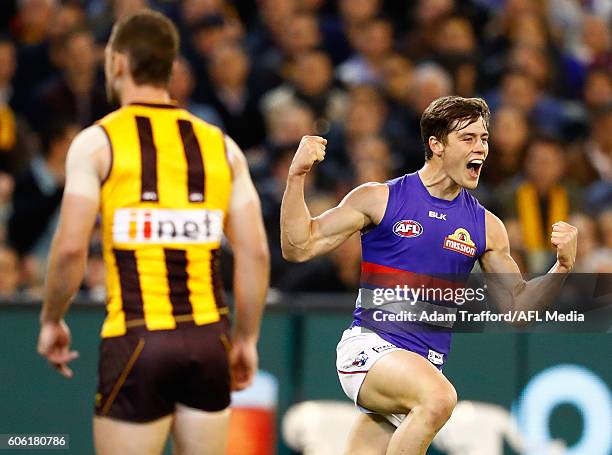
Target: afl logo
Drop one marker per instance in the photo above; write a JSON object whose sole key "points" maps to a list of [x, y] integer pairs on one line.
{"points": [[407, 228]]}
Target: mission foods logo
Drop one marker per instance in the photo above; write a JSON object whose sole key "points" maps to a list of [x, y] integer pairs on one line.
{"points": [[407, 228], [167, 226], [460, 242]]}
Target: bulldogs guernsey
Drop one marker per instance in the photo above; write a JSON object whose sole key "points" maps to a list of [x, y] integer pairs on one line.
{"points": [[423, 248]]}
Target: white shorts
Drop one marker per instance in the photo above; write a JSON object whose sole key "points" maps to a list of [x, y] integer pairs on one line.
{"points": [[356, 353]]}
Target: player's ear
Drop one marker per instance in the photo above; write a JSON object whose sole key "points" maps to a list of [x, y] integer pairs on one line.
{"points": [[120, 64], [436, 146]]}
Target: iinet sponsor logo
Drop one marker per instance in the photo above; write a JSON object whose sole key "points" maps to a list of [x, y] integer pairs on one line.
{"points": [[460, 242], [167, 226]]}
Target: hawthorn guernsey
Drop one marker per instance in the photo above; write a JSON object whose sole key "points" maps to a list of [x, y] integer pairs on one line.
{"points": [[421, 241]]}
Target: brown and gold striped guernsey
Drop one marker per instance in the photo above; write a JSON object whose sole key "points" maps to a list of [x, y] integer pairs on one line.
{"points": [[163, 207]]}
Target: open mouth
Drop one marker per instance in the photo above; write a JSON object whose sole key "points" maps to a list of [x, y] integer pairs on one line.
{"points": [[474, 167]]}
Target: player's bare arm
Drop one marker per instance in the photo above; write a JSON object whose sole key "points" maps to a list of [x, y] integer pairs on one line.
{"points": [[87, 161], [506, 283], [247, 236], [304, 237]]}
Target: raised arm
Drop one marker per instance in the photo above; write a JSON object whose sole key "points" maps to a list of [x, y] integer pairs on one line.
{"points": [[247, 236], [87, 159], [505, 281], [304, 237]]}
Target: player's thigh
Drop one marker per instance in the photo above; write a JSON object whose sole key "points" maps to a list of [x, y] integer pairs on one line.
{"points": [[196, 432], [370, 435], [112, 437], [402, 380]]}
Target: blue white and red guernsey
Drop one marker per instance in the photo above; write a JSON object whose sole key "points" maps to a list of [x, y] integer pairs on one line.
{"points": [[422, 243]]}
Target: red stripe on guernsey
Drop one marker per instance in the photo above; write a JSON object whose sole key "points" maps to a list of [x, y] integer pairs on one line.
{"points": [[381, 276], [351, 372]]}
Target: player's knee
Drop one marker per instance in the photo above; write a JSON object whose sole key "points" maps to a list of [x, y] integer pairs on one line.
{"points": [[439, 407]]}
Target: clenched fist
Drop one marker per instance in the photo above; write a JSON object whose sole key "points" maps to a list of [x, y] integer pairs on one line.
{"points": [[311, 150], [564, 237]]}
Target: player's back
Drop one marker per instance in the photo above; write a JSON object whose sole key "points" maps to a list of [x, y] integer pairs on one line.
{"points": [[163, 208]]}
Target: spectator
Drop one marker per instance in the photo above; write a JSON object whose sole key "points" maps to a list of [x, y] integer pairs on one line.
{"points": [[42, 61], [103, 14], [509, 134], [266, 34], [605, 226], [75, 95], [299, 36], [233, 99], [14, 151], [540, 199], [181, 88], [596, 49], [430, 81], [207, 34], [521, 91], [355, 13], [33, 20], [591, 160], [289, 123], [397, 76], [398, 84], [588, 243], [371, 160], [7, 184], [38, 193], [597, 89], [311, 83], [372, 44], [365, 117], [425, 18], [455, 49], [9, 273], [600, 260]]}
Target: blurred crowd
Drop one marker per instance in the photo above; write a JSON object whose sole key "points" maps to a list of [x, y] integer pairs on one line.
{"points": [[358, 72]]}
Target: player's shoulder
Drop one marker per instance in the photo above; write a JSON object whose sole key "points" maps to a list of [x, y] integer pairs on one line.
{"points": [[91, 150], [117, 115], [90, 140], [368, 195]]}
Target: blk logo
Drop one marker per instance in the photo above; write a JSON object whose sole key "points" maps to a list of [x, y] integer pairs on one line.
{"points": [[436, 215], [407, 228]]}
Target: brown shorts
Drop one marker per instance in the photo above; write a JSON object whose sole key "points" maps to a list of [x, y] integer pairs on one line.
{"points": [[144, 374]]}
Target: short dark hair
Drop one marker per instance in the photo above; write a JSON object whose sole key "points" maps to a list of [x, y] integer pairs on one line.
{"points": [[450, 113], [151, 43]]}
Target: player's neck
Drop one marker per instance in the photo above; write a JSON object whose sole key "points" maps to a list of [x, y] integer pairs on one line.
{"points": [[438, 183], [144, 94]]}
